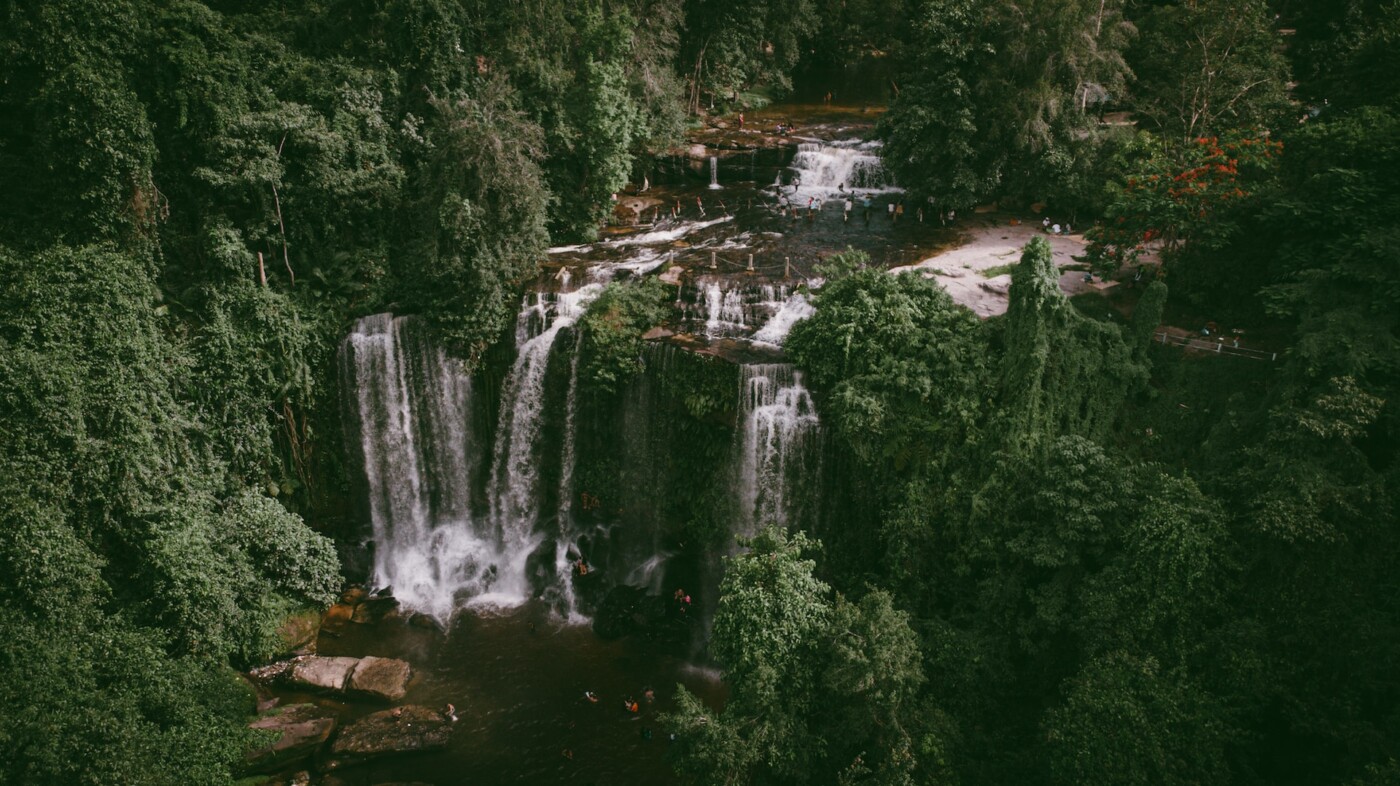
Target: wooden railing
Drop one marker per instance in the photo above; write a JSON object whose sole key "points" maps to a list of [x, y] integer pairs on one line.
{"points": [[1219, 346]]}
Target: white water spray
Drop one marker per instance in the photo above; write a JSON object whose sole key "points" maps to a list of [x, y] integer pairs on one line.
{"points": [[412, 406], [777, 447]]}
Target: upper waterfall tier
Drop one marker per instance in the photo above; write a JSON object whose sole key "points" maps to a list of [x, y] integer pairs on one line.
{"points": [[826, 171]]}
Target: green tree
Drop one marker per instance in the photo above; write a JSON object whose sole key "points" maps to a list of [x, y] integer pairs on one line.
{"points": [[612, 332], [820, 688], [768, 636], [1127, 720], [1061, 372], [902, 366], [1208, 67], [999, 97], [731, 45], [478, 218]]}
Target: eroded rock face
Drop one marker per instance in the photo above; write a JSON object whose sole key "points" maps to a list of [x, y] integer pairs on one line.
{"points": [[380, 678], [321, 673], [412, 728], [302, 729]]}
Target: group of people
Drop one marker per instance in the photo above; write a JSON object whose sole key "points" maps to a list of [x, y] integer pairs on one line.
{"points": [[1054, 229], [629, 704]]}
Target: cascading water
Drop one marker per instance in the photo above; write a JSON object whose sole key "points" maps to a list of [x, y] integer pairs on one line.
{"points": [[412, 412], [462, 521], [793, 310], [777, 445], [567, 542], [724, 311], [515, 471], [824, 170], [714, 174], [735, 311]]}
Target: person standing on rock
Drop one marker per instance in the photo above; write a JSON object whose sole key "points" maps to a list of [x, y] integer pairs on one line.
{"points": [[846, 214], [741, 121]]}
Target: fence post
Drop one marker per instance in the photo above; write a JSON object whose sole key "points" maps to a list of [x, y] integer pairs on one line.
{"points": [[787, 267]]}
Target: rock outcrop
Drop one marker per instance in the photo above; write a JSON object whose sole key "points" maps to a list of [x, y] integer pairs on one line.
{"points": [[322, 673], [385, 679], [412, 728], [301, 730]]}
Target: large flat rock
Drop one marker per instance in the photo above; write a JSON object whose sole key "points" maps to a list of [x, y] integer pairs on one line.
{"points": [[322, 673], [380, 678], [301, 728], [412, 728]]}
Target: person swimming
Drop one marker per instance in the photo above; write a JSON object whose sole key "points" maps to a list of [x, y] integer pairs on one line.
{"points": [[591, 696]]}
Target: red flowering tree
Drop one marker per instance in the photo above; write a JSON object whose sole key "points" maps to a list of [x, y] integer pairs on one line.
{"points": [[1177, 196]]}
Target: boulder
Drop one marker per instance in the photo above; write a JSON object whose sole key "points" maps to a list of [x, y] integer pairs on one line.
{"points": [[301, 730], [320, 673], [336, 617], [381, 678], [1001, 285], [411, 728]]}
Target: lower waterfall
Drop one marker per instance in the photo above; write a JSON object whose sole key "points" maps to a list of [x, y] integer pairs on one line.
{"points": [[411, 413], [515, 489]]}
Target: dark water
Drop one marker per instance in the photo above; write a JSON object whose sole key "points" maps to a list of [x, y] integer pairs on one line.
{"points": [[519, 692]]}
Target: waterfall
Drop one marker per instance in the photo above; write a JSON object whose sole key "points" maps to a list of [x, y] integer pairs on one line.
{"points": [[515, 491], [736, 310], [724, 311], [793, 310], [777, 445], [827, 169], [714, 173], [568, 536], [411, 417]]}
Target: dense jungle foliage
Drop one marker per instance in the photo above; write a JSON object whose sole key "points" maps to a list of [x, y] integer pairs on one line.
{"points": [[1076, 557]]}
